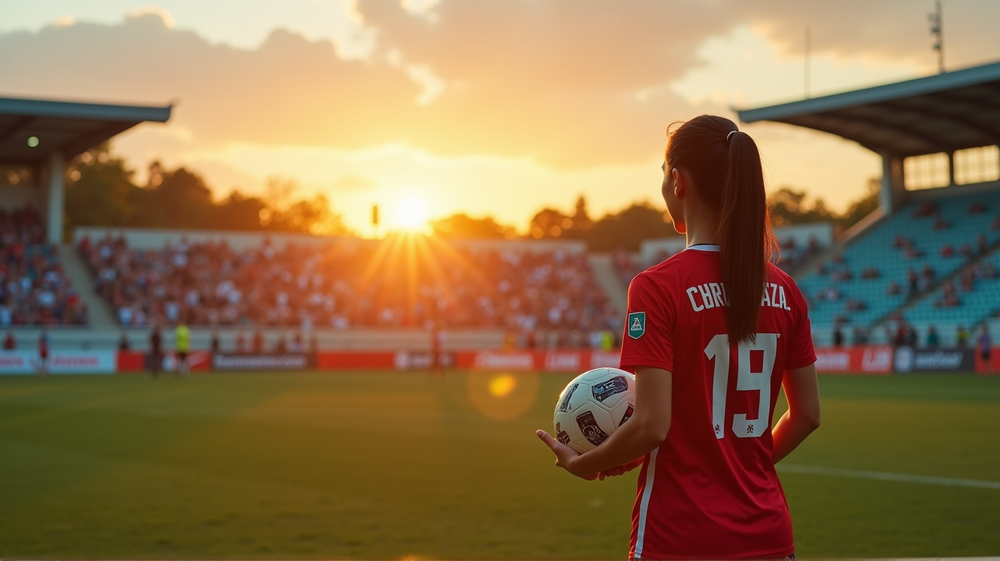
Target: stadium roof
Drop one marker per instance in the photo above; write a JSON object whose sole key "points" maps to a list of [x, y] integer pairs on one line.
{"points": [[942, 113], [67, 127]]}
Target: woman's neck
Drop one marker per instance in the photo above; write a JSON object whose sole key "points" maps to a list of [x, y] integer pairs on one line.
{"points": [[701, 231]]}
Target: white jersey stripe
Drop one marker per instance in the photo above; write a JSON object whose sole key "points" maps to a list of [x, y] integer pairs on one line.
{"points": [[647, 490]]}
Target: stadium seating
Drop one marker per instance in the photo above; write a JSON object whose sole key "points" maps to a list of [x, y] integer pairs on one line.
{"points": [[342, 286], [978, 294], [905, 252], [33, 288]]}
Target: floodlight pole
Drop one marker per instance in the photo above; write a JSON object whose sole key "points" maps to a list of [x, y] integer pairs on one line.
{"points": [[808, 48], [935, 20]]}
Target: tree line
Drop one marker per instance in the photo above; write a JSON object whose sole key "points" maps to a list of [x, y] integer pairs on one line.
{"points": [[101, 191]]}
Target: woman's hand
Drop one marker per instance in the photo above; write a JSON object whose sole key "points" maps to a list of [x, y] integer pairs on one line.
{"points": [[620, 470], [565, 456]]}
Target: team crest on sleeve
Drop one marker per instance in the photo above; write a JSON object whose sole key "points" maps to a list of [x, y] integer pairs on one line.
{"points": [[636, 324]]}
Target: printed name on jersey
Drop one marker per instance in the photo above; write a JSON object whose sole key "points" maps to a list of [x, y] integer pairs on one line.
{"points": [[636, 324], [713, 295]]}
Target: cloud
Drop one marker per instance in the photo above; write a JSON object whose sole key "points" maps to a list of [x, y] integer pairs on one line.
{"points": [[162, 13], [886, 31], [352, 183]]}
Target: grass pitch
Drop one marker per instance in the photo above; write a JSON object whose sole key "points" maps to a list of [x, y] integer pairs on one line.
{"points": [[390, 465]]}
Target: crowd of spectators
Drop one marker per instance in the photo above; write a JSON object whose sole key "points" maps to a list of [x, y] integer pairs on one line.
{"points": [[918, 281], [345, 285], [794, 254], [33, 288], [791, 254]]}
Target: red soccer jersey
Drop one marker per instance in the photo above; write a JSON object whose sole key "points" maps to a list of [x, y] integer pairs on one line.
{"points": [[710, 489]]}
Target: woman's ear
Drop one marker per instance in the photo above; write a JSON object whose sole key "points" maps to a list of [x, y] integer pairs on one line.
{"points": [[680, 185]]}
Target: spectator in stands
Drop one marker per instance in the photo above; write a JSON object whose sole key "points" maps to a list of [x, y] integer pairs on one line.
{"points": [[996, 223], [932, 337], [941, 224], [949, 296], [854, 305], [258, 342], [982, 246], [894, 289], [928, 208], [831, 294], [947, 251], [214, 344], [280, 346], [838, 337], [241, 343], [967, 280], [870, 273], [965, 250], [842, 275], [123, 344], [913, 282], [962, 337], [861, 336], [899, 337], [928, 272], [9, 343], [912, 252], [910, 336], [976, 207], [988, 271]]}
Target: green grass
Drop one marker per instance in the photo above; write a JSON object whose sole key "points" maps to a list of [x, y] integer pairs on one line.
{"points": [[390, 465]]}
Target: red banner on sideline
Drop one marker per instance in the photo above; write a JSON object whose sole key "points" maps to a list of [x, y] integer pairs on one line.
{"points": [[135, 361], [346, 360], [994, 359], [855, 360], [555, 360]]}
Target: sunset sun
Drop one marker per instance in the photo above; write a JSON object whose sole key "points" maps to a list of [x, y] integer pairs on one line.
{"points": [[411, 213]]}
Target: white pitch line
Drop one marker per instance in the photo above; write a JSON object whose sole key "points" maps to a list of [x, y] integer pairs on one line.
{"points": [[888, 476]]}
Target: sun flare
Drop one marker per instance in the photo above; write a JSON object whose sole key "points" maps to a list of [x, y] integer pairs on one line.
{"points": [[411, 213]]}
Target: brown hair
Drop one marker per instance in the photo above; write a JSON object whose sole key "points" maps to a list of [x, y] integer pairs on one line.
{"points": [[724, 164]]}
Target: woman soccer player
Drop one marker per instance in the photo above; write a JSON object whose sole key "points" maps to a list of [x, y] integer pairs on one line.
{"points": [[712, 334]]}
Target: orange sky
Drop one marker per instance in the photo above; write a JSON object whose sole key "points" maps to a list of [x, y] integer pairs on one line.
{"points": [[496, 107]]}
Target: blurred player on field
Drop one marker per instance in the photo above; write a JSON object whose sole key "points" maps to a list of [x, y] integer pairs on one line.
{"points": [[43, 354], [182, 341], [155, 358], [712, 334], [985, 345]]}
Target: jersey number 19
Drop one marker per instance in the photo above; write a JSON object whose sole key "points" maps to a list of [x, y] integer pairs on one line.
{"points": [[746, 380]]}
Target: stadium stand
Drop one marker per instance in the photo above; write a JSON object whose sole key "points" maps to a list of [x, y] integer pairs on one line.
{"points": [[33, 288], [343, 285], [899, 260], [798, 245], [969, 299]]}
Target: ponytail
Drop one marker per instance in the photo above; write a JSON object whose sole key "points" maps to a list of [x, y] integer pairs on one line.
{"points": [[725, 165], [745, 236]]}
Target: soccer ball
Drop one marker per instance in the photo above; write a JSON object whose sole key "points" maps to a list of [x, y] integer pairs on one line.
{"points": [[592, 406]]}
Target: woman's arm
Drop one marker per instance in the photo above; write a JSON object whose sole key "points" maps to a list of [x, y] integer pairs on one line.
{"points": [[802, 392], [643, 432]]}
